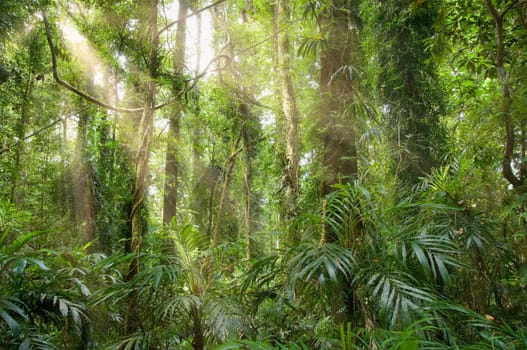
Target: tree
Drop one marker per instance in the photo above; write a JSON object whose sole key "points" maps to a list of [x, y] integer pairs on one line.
{"points": [[365, 237], [83, 179], [233, 80], [172, 154], [410, 96], [338, 80], [511, 158], [144, 136], [282, 18]]}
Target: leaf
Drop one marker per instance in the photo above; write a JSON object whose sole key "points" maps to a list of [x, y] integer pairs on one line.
{"points": [[11, 322], [19, 267], [84, 289], [445, 275], [425, 265], [63, 307], [22, 240], [9, 304], [158, 274], [321, 263], [38, 263], [25, 345]]}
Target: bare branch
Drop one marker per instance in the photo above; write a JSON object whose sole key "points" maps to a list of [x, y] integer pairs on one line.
{"points": [[8, 147], [171, 24], [204, 71]]}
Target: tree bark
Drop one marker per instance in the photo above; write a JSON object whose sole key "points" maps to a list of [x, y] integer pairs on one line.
{"points": [[171, 165], [229, 166], [518, 182], [248, 152], [337, 124], [83, 177], [339, 153], [132, 321], [248, 136], [198, 339], [289, 106], [17, 193]]}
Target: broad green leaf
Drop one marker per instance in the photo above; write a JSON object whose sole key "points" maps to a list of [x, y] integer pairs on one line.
{"points": [[19, 267], [11, 322]]}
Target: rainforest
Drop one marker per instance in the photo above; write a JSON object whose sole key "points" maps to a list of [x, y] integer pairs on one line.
{"points": [[263, 174]]}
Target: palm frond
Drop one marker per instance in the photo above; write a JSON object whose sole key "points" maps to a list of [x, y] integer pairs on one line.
{"points": [[224, 318], [10, 311], [321, 264], [263, 272], [33, 341], [400, 297], [434, 254], [180, 306], [153, 276]]}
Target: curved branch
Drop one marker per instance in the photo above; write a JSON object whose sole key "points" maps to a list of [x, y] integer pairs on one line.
{"points": [[205, 70], [498, 21], [171, 24], [70, 87], [508, 154]]}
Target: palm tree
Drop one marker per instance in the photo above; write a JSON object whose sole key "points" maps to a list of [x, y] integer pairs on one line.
{"points": [[185, 299], [395, 282]]}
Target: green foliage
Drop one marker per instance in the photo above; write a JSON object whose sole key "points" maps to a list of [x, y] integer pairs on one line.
{"points": [[320, 264], [42, 299], [13, 13], [437, 264], [408, 92]]}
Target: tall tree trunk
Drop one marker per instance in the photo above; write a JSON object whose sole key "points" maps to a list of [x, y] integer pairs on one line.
{"points": [[248, 152], [229, 166], [233, 79], [200, 206], [20, 129], [247, 220], [132, 321], [196, 130], [83, 177], [337, 121], [198, 339], [337, 124], [413, 101], [289, 107], [248, 133], [171, 166]]}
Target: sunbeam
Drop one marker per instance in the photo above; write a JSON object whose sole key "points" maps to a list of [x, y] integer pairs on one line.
{"points": [[83, 51]]}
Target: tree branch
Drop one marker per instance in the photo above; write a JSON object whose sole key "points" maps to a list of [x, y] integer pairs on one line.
{"points": [[171, 24], [70, 87], [508, 154], [8, 147], [511, 5], [499, 33]]}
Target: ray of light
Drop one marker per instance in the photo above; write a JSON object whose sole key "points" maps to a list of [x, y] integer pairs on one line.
{"points": [[83, 51]]}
